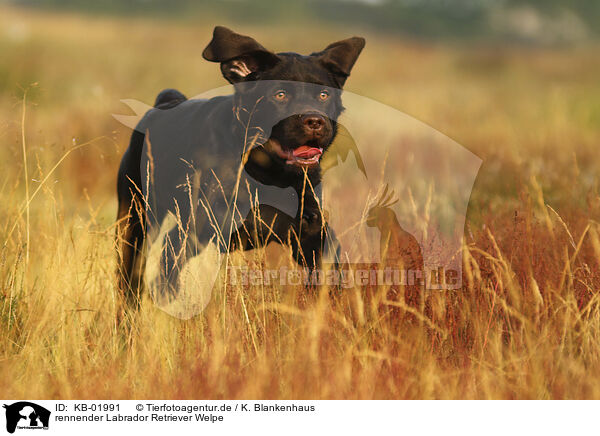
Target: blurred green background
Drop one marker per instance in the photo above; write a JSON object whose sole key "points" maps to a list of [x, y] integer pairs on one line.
{"points": [[527, 21]]}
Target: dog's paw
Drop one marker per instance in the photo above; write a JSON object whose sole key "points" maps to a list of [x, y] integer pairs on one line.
{"points": [[311, 221]]}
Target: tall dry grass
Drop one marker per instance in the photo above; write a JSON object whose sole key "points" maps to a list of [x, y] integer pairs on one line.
{"points": [[525, 325]]}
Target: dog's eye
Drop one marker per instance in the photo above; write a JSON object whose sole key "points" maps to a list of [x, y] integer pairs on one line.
{"points": [[323, 95], [280, 95]]}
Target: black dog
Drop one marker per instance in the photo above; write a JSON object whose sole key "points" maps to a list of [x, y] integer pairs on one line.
{"points": [[185, 157]]}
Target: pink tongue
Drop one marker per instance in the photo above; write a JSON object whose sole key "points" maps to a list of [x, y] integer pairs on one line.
{"points": [[306, 152]]}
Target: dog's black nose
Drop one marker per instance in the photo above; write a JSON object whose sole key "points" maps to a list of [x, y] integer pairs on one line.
{"points": [[313, 122]]}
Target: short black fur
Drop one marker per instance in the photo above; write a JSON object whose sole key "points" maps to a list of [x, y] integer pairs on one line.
{"points": [[299, 101]]}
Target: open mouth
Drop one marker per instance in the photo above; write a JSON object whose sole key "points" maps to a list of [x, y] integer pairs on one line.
{"points": [[305, 155]]}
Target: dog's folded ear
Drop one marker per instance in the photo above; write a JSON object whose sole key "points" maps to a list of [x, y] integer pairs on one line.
{"points": [[239, 55], [339, 57]]}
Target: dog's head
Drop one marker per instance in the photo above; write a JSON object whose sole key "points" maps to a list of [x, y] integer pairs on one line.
{"points": [[293, 101]]}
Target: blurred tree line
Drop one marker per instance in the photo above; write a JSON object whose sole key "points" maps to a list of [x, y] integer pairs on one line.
{"points": [[525, 20]]}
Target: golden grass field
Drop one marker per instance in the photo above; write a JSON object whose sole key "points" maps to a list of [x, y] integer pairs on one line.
{"points": [[526, 324]]}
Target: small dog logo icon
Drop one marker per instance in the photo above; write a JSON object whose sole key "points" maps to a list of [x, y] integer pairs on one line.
{"points": [[26, 415]]}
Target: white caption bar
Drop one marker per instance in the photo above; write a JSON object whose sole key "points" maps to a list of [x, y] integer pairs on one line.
{"points": [[21, 417]]}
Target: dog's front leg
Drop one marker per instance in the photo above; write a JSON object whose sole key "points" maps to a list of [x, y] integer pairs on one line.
{"points": [[317, 240], [261, 227]]}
